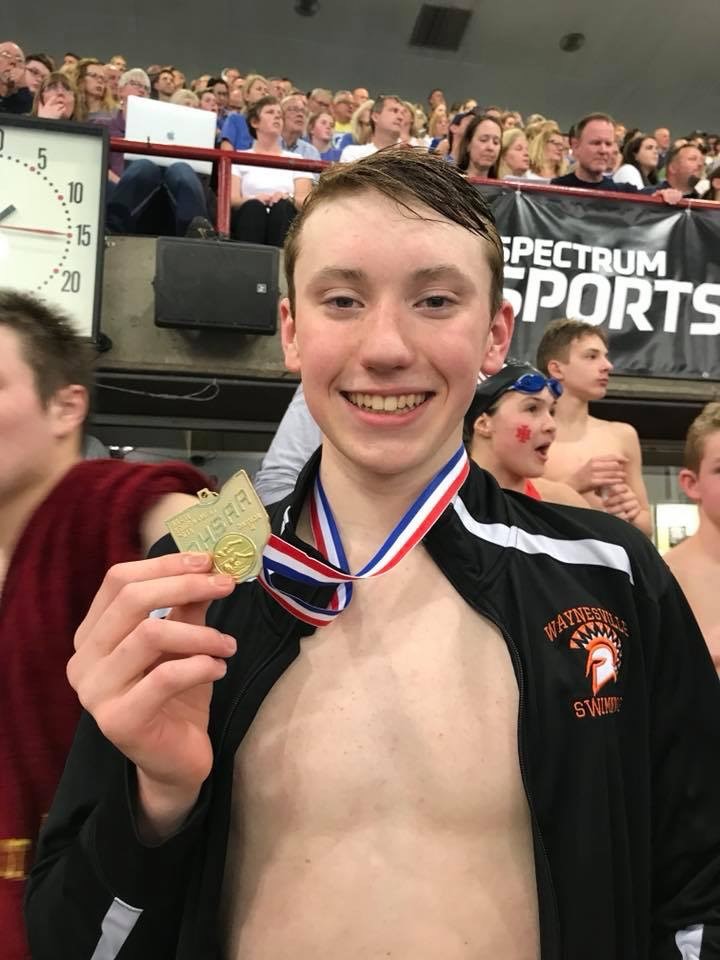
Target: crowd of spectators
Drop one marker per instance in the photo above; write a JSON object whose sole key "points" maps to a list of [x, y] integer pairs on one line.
{"points": [[272, 116]]}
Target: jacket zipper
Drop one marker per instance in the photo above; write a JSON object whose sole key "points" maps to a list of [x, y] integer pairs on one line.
{"points": [[243, 690], [520, 673]]}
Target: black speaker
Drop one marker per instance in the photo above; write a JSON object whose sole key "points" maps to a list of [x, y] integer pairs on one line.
{"points": [[216, 285]]}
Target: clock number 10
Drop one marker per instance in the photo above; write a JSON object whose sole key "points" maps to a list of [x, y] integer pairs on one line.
{"points": [[75, 192]]}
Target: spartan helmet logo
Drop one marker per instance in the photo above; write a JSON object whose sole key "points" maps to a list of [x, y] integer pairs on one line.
{"points": [[604, 652]]}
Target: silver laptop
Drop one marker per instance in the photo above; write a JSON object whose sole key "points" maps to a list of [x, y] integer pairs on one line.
{"points": [[156, 122]]}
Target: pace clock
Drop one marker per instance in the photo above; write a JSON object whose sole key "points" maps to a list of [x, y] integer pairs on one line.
{"points": [[52, 203]]}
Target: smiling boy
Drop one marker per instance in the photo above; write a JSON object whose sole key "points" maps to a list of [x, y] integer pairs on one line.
{"points": [[458, 758]]}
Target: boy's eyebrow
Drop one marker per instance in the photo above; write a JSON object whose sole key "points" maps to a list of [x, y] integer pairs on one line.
{"points": [[335, 274], [443, 271]]}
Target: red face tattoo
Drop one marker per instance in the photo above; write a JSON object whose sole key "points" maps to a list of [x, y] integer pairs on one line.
{"points": [[523, 433]]}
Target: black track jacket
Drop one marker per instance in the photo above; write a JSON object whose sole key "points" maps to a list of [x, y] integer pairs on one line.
{"points": [[618, 735]]}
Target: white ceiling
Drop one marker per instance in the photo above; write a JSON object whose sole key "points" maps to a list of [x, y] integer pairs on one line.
{"points": [[647, 63]]}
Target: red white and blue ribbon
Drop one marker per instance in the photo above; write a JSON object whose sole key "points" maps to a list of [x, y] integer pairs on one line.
{"points": [[280, 557]]}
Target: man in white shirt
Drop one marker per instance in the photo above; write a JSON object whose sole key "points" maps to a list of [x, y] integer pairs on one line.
{"points": [[386, 121]]}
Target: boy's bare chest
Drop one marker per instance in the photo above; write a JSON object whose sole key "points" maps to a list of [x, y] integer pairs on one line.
{"points": [[568, 454], [408, 700]]}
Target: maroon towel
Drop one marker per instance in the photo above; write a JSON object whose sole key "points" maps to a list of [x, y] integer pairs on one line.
{"points": [[90, 521]]}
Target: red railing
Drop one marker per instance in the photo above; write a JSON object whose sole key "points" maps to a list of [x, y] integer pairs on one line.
{"points": [[225, 159]]}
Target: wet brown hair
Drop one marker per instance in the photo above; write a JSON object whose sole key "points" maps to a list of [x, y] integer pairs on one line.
{"points": [[410, 177]]}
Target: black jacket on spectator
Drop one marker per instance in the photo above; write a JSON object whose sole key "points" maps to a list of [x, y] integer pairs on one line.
{"points": [[607, 183], [620, 771], [20, 101], [664, 185]]}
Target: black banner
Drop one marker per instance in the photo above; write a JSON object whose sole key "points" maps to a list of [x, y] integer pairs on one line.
{"points": [[648, 274]]}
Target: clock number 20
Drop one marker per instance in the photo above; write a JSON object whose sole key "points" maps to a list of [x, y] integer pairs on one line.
{"points": [[71, 281]]}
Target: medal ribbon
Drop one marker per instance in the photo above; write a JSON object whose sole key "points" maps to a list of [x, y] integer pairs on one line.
{"points": [[280, 557]]}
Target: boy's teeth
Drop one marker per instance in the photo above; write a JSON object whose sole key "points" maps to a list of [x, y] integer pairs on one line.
{"points": [[402, 401]]}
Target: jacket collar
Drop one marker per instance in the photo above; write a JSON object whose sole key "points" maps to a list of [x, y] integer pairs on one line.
{"points": [[471, 563]]}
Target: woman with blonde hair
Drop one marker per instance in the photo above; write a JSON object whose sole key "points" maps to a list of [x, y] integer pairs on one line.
{"points": [[360, 129], [547, 152], [235, 134], [185, 98], [92, 97], [360, 123], [254, 88], [438, 126], [410, 132], [514, 159], [533, 129]]}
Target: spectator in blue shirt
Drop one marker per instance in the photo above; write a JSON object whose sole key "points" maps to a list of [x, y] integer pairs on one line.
{"points": [[438, 125], [235, 133], [320, 132], [294, 122]]}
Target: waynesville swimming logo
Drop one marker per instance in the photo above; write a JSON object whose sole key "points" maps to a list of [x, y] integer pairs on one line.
{"points": [[598, 635]]}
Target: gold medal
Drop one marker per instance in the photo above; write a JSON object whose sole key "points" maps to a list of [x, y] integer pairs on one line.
{"points": [[231, 525]]}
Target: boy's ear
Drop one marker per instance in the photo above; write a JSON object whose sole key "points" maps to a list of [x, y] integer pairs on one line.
{"points": [[288, 337], [554, 369], [69, 409], [483, 426], [689, 483], [498, 339]]}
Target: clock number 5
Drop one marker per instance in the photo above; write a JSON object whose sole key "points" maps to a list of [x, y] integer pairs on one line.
{"points": [[42, 158]]}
